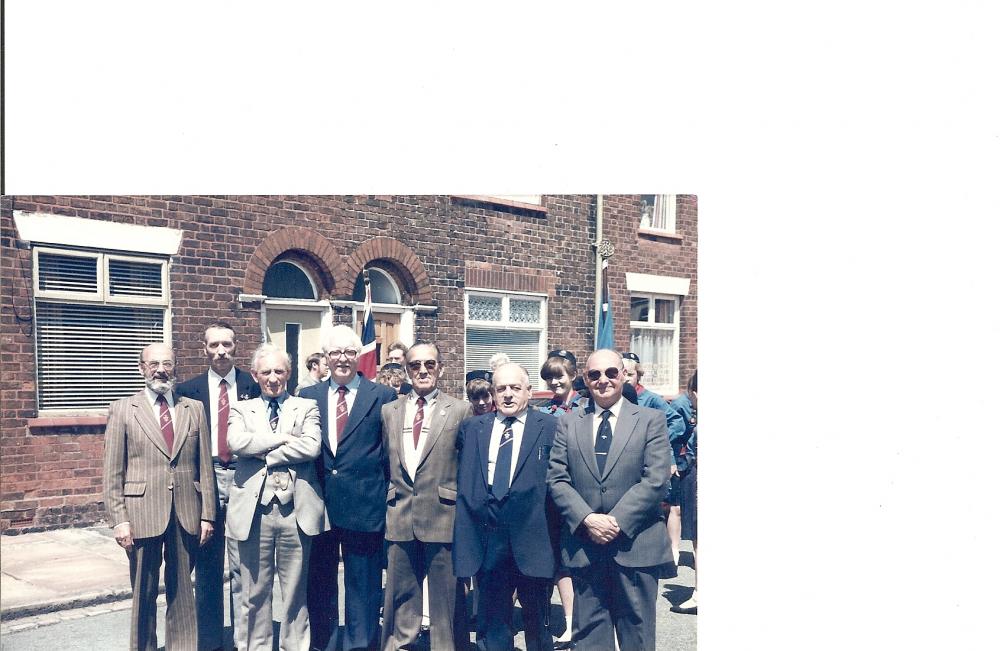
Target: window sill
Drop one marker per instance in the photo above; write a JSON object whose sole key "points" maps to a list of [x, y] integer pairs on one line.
{"points": [[500, 201], [57, 422], [656, 234]]}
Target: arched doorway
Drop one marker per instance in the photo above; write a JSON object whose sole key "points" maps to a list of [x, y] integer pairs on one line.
{"points": [[293, 314]]}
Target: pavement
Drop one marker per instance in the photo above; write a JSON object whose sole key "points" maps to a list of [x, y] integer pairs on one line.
{"points": [[54, 577]]}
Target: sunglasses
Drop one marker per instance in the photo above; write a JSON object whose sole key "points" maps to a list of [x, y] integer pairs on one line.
{"points": [[611, 373], [416, 364]]}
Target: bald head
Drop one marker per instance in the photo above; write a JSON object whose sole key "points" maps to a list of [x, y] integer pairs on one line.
{"points": [[604, 376], [156, 363]]}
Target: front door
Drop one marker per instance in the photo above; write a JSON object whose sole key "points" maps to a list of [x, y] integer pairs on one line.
{"points": [[386, 331], [297, 332]]}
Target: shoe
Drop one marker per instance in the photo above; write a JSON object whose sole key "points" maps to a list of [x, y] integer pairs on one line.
{"points": [[560, 643], [689, 607]]}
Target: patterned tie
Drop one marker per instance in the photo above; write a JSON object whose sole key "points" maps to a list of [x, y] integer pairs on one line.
{"points": [[223, 428], [603, 442], [274, 415], [501, 469], [341, 413], [166, 424], [418, 421]]}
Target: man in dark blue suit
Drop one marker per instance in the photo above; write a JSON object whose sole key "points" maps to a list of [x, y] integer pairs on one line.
{"points": [[504, 522], [354, 473], [218, 388]]}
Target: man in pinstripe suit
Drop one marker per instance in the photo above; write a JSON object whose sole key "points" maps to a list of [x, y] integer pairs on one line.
{"points": [[155, 457]]}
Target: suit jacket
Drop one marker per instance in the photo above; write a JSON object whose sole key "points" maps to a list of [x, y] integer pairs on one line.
{"points": [[635, 481], [143, 480], [354, 481], [526, 509], [196, 388], [261, 452], [423, 507]]}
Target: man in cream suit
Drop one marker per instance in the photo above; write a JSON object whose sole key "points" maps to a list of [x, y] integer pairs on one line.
{"points": [[275, 503], [420, 430], [160, 497], [609, 470]]}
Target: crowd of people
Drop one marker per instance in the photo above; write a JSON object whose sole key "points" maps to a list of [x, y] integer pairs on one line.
{"points": [[463, 507]]}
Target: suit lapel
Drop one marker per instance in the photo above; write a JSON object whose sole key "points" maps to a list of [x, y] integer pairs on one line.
{"points": [[182, 423], [149, 422], [627, 419], [483, 435], [532, 431], [396, 431], [437, 426], [585, 439]]}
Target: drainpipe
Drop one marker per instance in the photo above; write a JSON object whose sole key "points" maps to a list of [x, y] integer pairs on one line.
{"points": [[598, 259]]}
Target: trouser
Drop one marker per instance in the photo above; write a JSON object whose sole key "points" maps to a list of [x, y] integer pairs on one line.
{"points": [[177, 548], [209, 580], [610, 600], [275, 543]]}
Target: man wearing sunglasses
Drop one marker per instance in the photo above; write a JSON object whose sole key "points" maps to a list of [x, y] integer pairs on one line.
{"points": [[353, 473], [421, 431], [608, 473]]}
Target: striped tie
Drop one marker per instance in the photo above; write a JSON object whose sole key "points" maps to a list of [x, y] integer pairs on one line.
{"points": [[223, 427], [418, 421], [166, 424], [501, 469], [341, 413], [274, 415]]}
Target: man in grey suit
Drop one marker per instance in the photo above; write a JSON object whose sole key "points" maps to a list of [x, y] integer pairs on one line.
{"points": [[420, 431], [275, 503], [160, 497], [609, 470]]}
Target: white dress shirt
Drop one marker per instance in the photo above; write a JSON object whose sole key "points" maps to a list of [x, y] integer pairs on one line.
{"points": [[411, 455], [151, 396], [213, 401], [498, 427], [615, 409], [332, 398]]}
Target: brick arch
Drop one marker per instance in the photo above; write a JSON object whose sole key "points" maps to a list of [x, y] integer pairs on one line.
{"points": [[404, 261], [300, 244]]}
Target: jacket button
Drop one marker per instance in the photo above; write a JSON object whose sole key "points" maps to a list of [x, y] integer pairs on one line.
{"points": [[333, 472], [604, 489]]}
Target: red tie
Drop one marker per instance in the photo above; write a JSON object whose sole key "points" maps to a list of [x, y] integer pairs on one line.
{"points": [[166, 425], [341, 412], [223, 427], [418, 421]]}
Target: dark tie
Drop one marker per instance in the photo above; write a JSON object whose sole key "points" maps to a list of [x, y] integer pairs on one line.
{"points": [[274, 415], [223, 427], [603, 442], [418, 421], [166, 424], [501, 469], [341, 412]]}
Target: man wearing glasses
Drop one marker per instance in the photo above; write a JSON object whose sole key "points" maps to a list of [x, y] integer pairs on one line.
{"points": [[160, 497], [352, 469], [608, 473], [421, 431]]}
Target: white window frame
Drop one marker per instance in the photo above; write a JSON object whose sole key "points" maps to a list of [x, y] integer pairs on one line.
{"points": [[664, 206], [651, 324], [505, 324], [102, 297]]}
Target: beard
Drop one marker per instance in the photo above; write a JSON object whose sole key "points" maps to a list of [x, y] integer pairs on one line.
{"points": [[161, 387]]}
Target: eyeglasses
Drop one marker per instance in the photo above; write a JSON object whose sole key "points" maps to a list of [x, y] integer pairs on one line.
{"points": [[167, 365], [349, 353], [611, 373], [416, 364]]}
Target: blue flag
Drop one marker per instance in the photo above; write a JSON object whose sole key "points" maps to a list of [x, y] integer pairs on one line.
{"points": [[605, 322]]}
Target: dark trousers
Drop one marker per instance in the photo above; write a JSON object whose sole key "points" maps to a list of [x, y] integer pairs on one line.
{"points": [[496, 581], [177, 547], [362, 553], [609, 599]]}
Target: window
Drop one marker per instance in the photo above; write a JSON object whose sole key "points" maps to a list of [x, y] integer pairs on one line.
{"points": [[508, 323], [654, 325], [659, 212], [94, 313], [384, 289], [288, 280]]}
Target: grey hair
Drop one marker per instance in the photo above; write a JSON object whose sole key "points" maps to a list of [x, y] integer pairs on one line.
{"points": [[344, 331], [524, 372], [268, 349]]}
